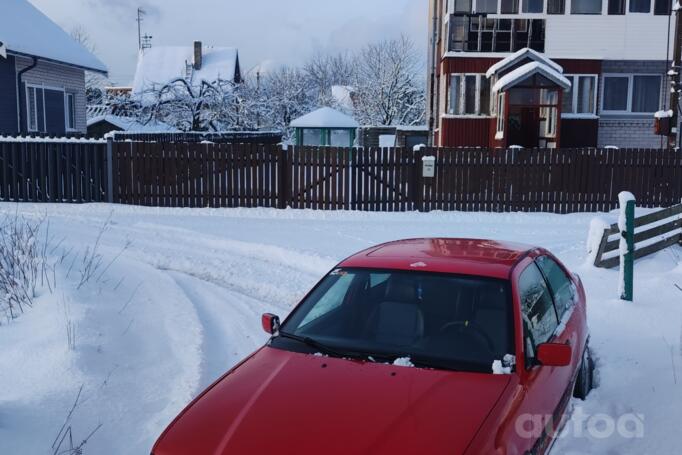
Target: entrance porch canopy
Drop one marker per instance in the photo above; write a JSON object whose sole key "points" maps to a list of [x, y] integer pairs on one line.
{"points": [[528, 88]]}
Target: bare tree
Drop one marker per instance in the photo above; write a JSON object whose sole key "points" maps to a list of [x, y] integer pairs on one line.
{"points": [[183, 105], [94, 83], [326, 71], [389, 84]]}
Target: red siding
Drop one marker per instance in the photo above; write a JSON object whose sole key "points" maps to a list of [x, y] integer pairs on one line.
{"points": [[580, 66], [579, 132], [467, 65], [465, 132], [480, 65]]}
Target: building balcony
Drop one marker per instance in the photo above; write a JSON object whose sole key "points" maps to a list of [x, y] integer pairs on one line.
{"points": [[479, 33]]}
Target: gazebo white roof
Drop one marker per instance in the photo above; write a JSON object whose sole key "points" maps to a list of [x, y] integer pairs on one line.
{"points": [[325, 117], [517, 57]]}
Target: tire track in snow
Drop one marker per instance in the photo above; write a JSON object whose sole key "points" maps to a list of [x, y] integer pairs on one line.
{"points": [[230, 322]]}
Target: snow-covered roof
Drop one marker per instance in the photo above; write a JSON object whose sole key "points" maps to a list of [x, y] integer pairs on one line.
{"points": [[325, 117], [517, 57], [133, 125], [522, 73], [162, 64], [25, 30]]}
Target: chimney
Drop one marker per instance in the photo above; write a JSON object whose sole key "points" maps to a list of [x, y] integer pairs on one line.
{"points": [[198, 55]]}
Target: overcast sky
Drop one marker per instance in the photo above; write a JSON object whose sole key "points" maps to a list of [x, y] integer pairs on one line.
{"points": [[271, 31]]}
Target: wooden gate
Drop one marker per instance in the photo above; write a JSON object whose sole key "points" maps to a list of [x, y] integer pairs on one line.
{"points": [[351, 179]]}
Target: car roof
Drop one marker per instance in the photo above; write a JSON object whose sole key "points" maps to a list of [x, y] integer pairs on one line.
{"points": [[489, 258]]}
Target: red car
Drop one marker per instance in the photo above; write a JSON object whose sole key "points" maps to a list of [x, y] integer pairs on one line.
{"points": [[427, 346]]}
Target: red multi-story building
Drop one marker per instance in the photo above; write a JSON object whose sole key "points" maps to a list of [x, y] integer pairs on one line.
{"points": [[548, 73]]}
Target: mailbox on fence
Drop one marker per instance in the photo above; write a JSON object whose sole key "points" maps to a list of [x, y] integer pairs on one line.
{"points": [[429, 166]]}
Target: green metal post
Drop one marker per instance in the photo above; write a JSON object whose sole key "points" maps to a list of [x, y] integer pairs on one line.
{"points": [[628, 264]]}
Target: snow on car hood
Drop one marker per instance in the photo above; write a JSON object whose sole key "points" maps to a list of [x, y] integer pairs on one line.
{"points": [[307, 405]]}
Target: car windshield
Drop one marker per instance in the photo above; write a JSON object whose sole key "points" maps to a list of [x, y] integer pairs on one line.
{"points": [[439, 321]]}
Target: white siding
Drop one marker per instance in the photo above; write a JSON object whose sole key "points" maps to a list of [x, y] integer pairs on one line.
{"points": [[59, 76], [628, 37]]}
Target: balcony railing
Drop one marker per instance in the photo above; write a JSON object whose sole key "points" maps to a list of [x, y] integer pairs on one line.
{"points": [[478, 33]]}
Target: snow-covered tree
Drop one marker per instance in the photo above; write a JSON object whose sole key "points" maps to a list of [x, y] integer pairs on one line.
{"points": [[389, 84], [186, 106], [287, 94], [326, 71], [94, 83]]}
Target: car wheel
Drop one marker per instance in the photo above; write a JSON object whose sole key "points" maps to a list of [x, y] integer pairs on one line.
{"points": [[585, 382]]}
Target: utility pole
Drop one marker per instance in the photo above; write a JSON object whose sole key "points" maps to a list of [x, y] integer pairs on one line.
{"points": [[140, 18], [674, 73]]}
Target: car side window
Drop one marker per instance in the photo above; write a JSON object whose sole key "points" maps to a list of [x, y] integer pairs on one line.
{"points": [[561, 285], [540, 318]]}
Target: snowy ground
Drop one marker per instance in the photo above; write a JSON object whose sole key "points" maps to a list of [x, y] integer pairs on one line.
{"points": [[182, 304]]}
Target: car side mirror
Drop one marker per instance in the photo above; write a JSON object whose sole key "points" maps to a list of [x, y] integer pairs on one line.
{"points": [[554, 355], [270, 323]]}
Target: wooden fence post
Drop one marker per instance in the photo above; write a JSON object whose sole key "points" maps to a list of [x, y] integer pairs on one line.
{"points": [[283, 169], [110, 170], [417, 181], [627, 261]]}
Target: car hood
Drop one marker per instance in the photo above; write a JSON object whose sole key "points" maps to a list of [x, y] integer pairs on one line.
{"points": [[292, 403]]}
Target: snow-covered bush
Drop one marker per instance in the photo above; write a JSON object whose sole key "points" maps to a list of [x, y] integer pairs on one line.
{"points": [[22, 261]]}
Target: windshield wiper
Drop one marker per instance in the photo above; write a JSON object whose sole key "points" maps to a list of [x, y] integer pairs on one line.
{"points": [[325, 349]]}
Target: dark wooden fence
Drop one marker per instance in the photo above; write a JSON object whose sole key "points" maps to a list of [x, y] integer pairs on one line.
{"points": [[264, 175], [49, 171], [226, 137]]}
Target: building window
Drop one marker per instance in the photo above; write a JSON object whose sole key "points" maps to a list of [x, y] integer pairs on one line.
{"points": [[486, 6], [581, 99], [556, 6], [616, 7], [533, 6], [484, 34], [640, 6], [312, 137], [32, 108], [469, 94], [70, 106], [509, 6], [632, 93], [586, 7], [662, 7], [646, 93], [462, 6]]}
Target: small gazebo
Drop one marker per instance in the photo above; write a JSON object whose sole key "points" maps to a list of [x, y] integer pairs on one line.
{"points": [[325, 127], [528, 90]]}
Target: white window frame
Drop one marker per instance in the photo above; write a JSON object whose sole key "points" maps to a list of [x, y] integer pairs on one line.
{"points": [[574, 93], [631, 87], [480, 80], [69, 128], [500, 101]]}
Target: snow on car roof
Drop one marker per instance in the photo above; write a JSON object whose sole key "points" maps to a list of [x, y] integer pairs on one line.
{"points": [[26, 30], [325, 117], [162, 64]]}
